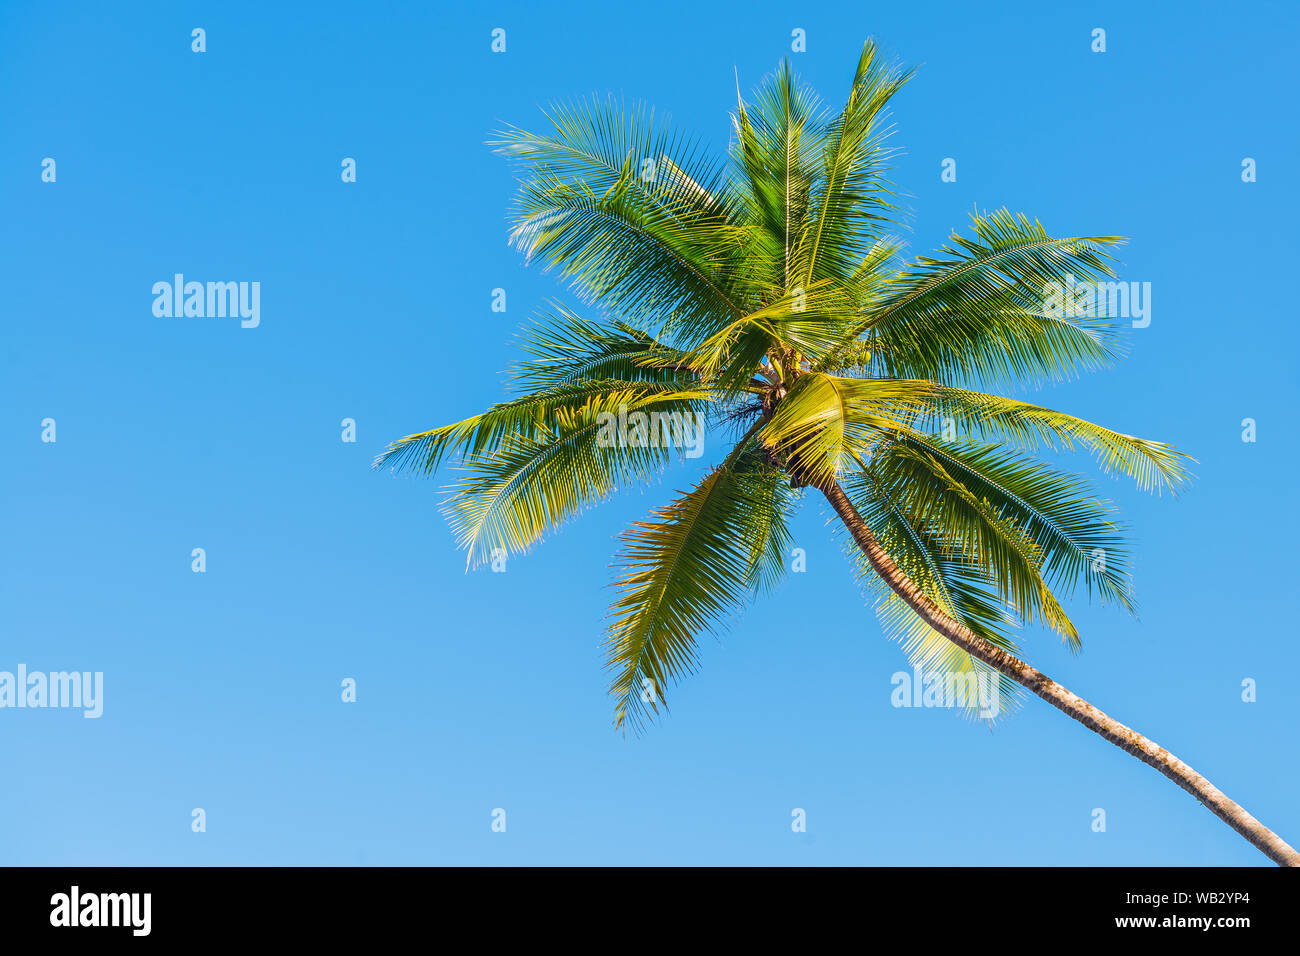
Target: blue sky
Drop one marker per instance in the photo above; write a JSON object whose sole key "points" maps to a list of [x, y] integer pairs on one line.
{"points": [[479, 691]]}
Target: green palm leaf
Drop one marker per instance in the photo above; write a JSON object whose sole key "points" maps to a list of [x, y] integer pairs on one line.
{"points": [[964, 591], [527, 486], [1155, 465], [850, 200], [565, 349], [693, 562], [1077, 532], [635, 215]]}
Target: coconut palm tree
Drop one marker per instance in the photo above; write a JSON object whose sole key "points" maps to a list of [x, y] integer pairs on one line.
{"points": [[762, 297]]}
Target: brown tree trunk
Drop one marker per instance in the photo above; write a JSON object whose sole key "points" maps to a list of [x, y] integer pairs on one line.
{"points": [[1268, 842]]}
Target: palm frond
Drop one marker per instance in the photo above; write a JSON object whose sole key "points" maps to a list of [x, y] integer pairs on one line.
{"points": [[980, 310], [1154, 465], [963, 591], [531, 417], [635, 215], [1078, 533], [527, 486], [693, 562], [971, 526], [850, 200], [564, 349]]}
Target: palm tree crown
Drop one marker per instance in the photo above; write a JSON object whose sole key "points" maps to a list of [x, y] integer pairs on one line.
{"points": [[764, 295]]}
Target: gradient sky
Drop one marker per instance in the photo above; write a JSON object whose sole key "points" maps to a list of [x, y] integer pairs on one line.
{"points": [[487, 690]]}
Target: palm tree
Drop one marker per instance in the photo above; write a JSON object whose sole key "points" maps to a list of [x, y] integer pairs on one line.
{"points": [[762, 296]]}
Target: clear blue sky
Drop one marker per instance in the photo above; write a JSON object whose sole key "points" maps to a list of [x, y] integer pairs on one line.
{"points": [[487, 690]]}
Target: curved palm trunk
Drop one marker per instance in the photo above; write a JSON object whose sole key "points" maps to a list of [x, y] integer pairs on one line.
{"points": [[1273, 846]]}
